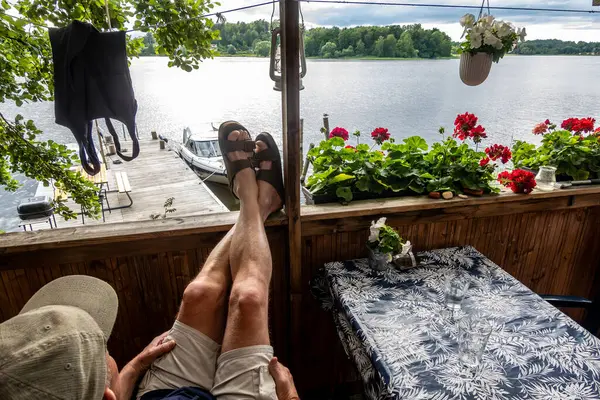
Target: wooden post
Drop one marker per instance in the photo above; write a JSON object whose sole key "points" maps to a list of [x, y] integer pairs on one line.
{"points": [[306, 164], [326, 125], [162, 144], [301, 139], [154, 135], [101, 144], [290, 61]]}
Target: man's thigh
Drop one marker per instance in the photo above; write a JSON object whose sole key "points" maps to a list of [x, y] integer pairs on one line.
{"points": [[192, 362], [243, 374]]}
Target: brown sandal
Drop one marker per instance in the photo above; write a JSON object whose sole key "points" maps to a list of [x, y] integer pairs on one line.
{"points": [[230, 146], [274, 175]]}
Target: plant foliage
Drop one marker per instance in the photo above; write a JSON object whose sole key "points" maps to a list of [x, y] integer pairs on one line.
{"points": [[575, 157], [406, 168], [26, 74]]}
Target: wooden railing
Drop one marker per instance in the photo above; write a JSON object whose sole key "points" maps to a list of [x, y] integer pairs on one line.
{"points": [[549, 241]]}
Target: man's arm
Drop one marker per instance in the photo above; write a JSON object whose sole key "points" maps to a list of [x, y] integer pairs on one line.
{"points": [[284, 382], [130, 374]]}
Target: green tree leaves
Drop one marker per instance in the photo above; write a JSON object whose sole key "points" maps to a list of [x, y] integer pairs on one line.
{"points": [[379, 41], [26, 73], [262, 48]]}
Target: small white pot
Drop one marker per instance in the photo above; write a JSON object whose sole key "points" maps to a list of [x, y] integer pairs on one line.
{"points": [[475, 68]]}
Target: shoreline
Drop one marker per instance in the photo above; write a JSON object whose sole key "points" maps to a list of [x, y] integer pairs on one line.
{"points": [[373, 58]]}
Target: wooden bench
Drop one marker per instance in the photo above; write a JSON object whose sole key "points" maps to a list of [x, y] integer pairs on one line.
{"points": [[123, 186]]}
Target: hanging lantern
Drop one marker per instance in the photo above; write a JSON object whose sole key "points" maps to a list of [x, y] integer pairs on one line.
{"points": [[275, 65]]}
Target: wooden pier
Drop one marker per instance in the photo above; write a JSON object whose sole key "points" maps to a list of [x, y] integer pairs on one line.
{"points": [[154, 176]]}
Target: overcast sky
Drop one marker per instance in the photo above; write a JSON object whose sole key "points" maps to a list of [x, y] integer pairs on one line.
{"points": [[540, 25]]}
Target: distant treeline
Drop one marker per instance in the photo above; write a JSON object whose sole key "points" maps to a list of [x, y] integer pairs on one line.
{"points": [[555, 47], [410, 41], [364, 41], [378, 41]]}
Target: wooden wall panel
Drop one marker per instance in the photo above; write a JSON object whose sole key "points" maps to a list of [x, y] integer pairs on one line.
{"points": [[555, 252], [548, 241], [149, 284]]}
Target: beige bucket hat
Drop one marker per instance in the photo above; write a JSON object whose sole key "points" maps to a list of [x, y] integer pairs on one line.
{"points": [[55, 348]]}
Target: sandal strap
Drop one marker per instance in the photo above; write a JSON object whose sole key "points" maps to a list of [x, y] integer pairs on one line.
{"points": [[268, 154], [237, 166], [273, 176], [239, 145]]}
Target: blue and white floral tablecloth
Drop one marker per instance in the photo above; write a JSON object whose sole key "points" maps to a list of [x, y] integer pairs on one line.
{"points": [[395, 327]]}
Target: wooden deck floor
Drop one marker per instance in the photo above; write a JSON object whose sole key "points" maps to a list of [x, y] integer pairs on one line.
{"points": [[155, 175]]}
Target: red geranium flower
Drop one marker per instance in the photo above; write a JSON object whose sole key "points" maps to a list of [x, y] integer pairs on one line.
{"points": [[497, 151], [380, 135], [519, 181], [478, 133], [547, 122], [577, 125], [541, 128], [484, 161], [339, 132], [465, 126], [585, 125]]}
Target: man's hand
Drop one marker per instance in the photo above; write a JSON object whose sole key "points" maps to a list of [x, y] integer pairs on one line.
{"points": [[284, 382], [136, 367], [154, 350]]}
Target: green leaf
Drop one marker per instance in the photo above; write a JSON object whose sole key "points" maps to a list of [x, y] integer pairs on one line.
{"points": [[341, 178], [344, 192], [337, 141], [416, 143]]}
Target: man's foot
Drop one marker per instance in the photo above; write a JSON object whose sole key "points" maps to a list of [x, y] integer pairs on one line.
{"points": [[268, 198], [244, 184]]}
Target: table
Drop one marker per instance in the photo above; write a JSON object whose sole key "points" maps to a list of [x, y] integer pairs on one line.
{"points": [[394, 327], [100, 179]]}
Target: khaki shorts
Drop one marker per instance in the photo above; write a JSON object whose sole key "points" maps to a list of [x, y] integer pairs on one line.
{"points": [[240, 374]]}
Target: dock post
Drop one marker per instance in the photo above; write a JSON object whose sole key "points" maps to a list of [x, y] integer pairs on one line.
{"points": [[301, 138], [326, 126], [101, 144], [306, 165], [154, 135]]}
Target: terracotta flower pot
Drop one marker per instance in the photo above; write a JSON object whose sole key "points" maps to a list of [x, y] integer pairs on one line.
{"points": [[475, 68]]}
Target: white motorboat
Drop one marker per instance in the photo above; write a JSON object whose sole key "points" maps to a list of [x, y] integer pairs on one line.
{"points": [[203, 154]]}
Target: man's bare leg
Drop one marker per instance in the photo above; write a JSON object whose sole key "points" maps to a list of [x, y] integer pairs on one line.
{"points": [[204, 305], [251, 264]]}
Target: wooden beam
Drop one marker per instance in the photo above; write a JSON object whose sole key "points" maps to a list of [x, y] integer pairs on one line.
{"points": [[291, 110], [290, 40]]}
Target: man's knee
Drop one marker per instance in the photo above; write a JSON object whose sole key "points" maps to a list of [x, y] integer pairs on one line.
{"points": [[248, 298], [204, 292]]}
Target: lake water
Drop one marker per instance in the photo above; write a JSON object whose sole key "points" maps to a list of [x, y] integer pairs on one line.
{"points": [[407, 97]]}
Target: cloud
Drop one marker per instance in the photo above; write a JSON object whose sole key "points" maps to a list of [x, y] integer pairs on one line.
{"points": [[540, 24]]}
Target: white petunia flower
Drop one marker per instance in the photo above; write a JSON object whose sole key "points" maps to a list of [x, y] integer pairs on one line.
{"points": [[475, 41], [406, 247], [522, 33], [503, 29], [468, 21], [375, 228], [487, 20], [490, 39]]}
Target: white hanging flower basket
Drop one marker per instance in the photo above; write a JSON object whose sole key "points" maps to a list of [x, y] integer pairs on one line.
{"points": [[475, 68], [487, 40]]}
